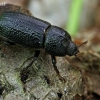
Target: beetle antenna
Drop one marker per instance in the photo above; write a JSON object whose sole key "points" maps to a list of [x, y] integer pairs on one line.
{"points": [[82, 44], [79, 47]]}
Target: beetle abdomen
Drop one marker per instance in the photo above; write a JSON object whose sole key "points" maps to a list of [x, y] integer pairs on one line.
{"points": [[23, 29]]}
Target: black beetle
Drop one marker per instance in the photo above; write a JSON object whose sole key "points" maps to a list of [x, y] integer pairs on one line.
{"points": [[32, 32]]}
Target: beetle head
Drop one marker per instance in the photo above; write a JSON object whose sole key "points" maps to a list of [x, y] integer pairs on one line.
{"points": [[70, 47]]}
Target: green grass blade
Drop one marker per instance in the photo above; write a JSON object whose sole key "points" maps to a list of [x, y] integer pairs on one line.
{"points": [[73, 22]]}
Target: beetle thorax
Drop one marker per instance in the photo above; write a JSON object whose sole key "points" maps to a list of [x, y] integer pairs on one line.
{"points": [[55, 42]]}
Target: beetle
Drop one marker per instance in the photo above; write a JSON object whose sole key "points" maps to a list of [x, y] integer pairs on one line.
{"points": [[29, 31]]}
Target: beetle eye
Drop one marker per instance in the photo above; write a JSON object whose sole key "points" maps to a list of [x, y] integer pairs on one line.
{"points": [[75, 49]]}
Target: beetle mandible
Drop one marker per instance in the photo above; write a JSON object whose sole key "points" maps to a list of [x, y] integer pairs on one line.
{"points": [[32, 32]]}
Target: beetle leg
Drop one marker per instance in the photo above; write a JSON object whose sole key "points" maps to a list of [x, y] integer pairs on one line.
{"points": [[24, 73], [37, 52], [7, 41], [10, 42], [56, 69]]}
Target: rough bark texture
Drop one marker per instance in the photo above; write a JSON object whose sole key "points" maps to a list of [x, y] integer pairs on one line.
{"points": [[40, 82]]}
